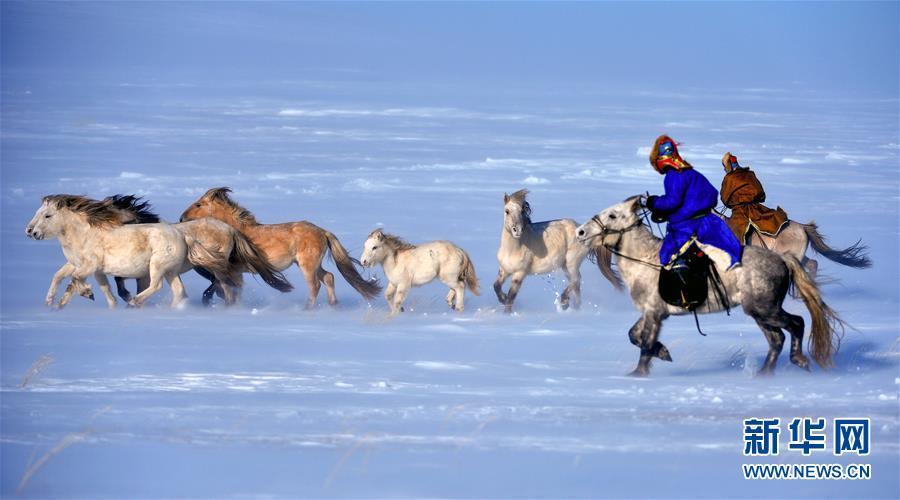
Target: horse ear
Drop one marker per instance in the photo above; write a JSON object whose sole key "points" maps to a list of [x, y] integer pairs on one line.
{"points": [[635, 203], [378, 234], [505, 198]]}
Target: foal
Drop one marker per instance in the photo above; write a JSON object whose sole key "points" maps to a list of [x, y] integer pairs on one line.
{"points": [[537, 248], [407, 265]]}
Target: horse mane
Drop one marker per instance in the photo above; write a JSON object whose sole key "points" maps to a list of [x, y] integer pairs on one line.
{"points": [[141, 210], [393, 241], [98, 213], [520, 198], [221, 194]]}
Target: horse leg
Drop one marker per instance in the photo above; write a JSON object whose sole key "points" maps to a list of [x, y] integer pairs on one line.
{"points": [[77, 283], [451, 296], [399, 297], [62, 273], [121, 290], [327, 279], [211, 289], [636, 333], [177, 286], [460, 295], [811, 265], [776, 342], [389, 293], [498, 286], [103, 281], [155, 284], [650, 348], [795, 325], [514, 286], [310, 267], [572, 293]]}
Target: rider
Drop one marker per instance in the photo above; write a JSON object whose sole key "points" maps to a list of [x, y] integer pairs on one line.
{"points": [[744, 195], [686, 206]]}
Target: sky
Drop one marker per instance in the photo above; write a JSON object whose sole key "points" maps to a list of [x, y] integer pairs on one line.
{"points": [[846, 47]]}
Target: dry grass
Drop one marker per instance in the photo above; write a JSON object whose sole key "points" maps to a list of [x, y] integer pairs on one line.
{"points": [[36, 368]]}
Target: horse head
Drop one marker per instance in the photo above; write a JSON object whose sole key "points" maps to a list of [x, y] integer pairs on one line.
{"points": [[516, 213]]}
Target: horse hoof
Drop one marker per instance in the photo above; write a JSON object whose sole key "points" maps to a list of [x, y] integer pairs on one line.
{"points": [[637, 372], [90, 295], [765, 372], [663, 354]]}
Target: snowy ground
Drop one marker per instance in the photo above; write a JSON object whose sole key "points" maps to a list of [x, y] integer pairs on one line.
{"points": [[266, 399]]}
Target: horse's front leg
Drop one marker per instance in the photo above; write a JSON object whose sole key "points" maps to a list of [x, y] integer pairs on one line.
{"points": [[514, 285], [65, 271], [77, 284], [498, 286], [650, 347], [399, 297], [572, 293], [389, 293]]}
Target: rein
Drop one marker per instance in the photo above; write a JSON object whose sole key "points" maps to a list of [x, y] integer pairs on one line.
{"points": [[604, 229]]}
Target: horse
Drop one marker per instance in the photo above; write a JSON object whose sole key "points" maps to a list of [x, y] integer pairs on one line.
{"points": [[227, 253], [407, 265], [759, 285], [528, 247], [285, 244], [795, 238], [94, 242]]}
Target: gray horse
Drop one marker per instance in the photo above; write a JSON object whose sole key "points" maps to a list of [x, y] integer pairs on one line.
{"points": [[796, 238], [758, 285]]}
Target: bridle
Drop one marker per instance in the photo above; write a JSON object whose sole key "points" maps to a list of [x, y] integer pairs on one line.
{"points": [[605, 230]]}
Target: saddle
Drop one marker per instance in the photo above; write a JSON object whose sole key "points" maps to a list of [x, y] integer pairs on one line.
{"points": [[685, 282]]}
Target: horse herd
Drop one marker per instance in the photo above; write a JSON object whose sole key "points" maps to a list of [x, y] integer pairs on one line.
{"points": [[221, 240]]}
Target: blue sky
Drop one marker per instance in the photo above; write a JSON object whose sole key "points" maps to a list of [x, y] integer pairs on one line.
{"points": [[847, 47]]}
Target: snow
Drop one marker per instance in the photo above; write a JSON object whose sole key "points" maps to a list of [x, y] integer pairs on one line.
{"points": [[266, 399]]}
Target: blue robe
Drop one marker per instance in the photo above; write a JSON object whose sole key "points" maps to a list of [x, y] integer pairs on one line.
{"points": [[687, 207]]}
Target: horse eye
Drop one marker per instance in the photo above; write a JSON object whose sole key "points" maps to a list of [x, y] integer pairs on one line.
{"points": [[47, 216], [507, 212], [612, 216], [197, 205]]}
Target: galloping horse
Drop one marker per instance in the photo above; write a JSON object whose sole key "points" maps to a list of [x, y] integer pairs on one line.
{"points": [[536, 248], [217, 251], [95, 243], [795, 238], [407, 265], [302, 243], [759, 285]]}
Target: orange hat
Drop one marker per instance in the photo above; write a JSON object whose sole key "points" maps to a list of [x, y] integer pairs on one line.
{"points": [[665, 155]]}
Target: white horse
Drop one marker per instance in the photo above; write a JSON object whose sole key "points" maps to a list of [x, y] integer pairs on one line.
{"points": [[95, 243], [537, 248], [406, 266]]}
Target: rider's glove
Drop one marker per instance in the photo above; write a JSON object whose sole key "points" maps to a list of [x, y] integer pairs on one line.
{"points": [[655, 216]]}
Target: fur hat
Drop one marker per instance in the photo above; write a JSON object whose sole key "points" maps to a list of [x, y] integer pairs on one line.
{"points": [[730, 162], [665, 155]]}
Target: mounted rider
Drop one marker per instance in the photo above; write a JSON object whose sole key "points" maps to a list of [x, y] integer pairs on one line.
{"points": [[744, 195], [687, 207]]}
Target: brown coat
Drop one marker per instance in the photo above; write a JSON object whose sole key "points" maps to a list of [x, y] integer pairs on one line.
{"points": [[744, 195]]}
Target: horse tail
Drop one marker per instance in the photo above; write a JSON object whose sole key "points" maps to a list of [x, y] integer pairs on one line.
{"points": [[467, 273], [852, 256], [247, 256], [602, 256], [824, 340], [201, 257], [347, 268]]}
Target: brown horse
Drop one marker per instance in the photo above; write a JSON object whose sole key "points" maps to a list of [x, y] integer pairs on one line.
{"points": [[301, 243], [217, 251]]}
